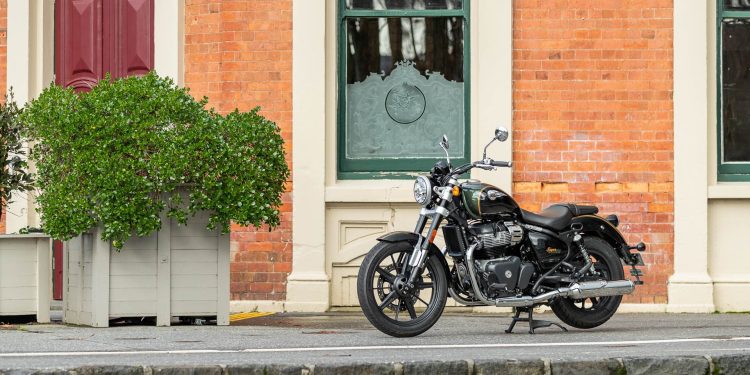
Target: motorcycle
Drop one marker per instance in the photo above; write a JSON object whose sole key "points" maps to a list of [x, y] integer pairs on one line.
{"points": [[501, 255]]}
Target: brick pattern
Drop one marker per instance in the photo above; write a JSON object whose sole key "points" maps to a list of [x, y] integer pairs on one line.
{"points": [[239, 55], [593, 119], [3, 68]]}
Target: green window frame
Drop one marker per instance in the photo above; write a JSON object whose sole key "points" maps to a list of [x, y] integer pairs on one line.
{"points": [[402, 168], [727, 171]]}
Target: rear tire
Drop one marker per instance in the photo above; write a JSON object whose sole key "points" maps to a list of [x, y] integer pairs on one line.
{"points": [[399, 315], [574, 312]]}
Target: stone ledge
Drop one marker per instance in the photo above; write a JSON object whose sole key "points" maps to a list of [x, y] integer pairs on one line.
{"points": [[730, 364]]}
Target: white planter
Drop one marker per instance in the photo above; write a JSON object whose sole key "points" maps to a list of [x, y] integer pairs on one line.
{"points": [[26, 275], [177, 271]]}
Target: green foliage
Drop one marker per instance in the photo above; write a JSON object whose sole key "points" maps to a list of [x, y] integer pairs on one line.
{"points": [[14, 175], [119, 156]]}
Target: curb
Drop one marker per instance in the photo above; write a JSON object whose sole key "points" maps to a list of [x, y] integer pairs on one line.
{"points": [[687, 365]]}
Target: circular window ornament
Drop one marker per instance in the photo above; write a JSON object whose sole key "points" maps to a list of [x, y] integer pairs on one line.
{"points": [[405, 103]]}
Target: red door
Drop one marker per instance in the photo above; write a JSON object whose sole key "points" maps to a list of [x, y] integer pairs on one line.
{"points": [[96, 37], [93, 38]]}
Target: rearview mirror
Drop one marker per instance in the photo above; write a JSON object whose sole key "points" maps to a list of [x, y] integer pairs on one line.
{"points": [[501, 133], [444, 142]]}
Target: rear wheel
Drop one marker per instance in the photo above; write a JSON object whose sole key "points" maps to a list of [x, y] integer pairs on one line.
{"points": [[595, 311], [390, 305]]}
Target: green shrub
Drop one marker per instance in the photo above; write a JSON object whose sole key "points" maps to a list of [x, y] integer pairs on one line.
{"points": [[117, 155], [14, 175]]}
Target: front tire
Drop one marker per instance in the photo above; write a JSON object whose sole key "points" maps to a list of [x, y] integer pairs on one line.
{"points": [[592, 312], [386, 306]]}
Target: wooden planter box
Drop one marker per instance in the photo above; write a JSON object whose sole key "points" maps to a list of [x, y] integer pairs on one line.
{"points": [[177, 271], [26, 275]]}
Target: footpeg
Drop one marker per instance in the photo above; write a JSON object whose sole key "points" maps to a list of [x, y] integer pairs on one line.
{"points": [[640, 247], [636, 272]]}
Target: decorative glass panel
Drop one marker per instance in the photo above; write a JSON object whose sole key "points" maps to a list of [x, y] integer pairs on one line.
{"points": [[404, 87], [403, 4], [735, 81], [736, 4]]}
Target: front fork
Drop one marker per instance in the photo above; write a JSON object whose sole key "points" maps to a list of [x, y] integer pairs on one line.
{"points": [[421, 249]]}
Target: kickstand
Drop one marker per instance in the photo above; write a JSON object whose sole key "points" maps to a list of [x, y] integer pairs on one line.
{"points": [[533, 323]]}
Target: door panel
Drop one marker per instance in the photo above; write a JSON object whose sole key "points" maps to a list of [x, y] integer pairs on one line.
{"points": [[96, 37], [133, 46], [78, 43]]}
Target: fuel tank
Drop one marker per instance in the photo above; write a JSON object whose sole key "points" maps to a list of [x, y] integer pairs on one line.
{"points": [[484, 200]]}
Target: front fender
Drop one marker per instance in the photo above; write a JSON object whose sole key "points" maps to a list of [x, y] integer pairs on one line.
{"points": [[413, 238]]}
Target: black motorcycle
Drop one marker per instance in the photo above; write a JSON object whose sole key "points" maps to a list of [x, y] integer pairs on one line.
{"points": [[501, 255]]}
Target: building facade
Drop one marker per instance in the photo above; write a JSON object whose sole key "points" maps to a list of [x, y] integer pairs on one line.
{"points": [[620, 104]]}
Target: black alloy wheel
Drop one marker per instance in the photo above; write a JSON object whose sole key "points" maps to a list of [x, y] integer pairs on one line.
{"points": [[594, 311], [388, 302]]}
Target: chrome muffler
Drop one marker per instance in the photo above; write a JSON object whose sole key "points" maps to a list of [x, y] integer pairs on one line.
{"points": [[584, 289]]}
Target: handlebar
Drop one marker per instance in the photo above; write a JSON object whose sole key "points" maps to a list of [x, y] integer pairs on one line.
{"points": [[498, 163], [484, 164]]}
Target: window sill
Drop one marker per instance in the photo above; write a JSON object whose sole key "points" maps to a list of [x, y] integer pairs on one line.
{"points": [[371, 191], [735, 190]]}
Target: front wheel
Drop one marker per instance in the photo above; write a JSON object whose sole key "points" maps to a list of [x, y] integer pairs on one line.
{"points": [[595, 311], [392, 308]]}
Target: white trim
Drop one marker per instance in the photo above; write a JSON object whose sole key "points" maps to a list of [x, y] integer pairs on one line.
{"points": [[690, 288], [308, 284], [18, 70], [169, 39], [729, 190], [492, 85]]}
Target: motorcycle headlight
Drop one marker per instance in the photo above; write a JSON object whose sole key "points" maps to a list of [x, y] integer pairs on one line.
{"points": [[422, 190]]}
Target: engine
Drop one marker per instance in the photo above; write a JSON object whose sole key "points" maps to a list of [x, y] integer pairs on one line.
{"points": [[500, 273], [496, 238], [504, 276]]}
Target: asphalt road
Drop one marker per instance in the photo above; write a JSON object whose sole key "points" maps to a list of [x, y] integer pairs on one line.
{"points": [[333, 338]]}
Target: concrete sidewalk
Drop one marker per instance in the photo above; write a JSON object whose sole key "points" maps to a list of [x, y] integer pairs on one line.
{"points": [[345, 343]]}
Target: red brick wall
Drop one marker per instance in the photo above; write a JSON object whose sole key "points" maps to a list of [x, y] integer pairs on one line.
{"points": [[592, 117], [239, 54], [3, 67]]}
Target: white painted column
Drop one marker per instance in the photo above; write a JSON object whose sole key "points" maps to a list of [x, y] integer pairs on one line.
{"points": [[18, 71], [169, 39], [308, 284], [29, 70], [690, 287], [491, 85]]}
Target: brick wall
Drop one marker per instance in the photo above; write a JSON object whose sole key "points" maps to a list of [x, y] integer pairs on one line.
{"points": [[239, 54], [3, 67], [592, 117]]}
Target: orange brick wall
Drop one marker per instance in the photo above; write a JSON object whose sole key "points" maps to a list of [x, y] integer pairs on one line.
{"points": [[592, 117], [3, 67], [239, 54]]}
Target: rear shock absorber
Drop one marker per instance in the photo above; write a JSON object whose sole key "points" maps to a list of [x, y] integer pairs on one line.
{"points": [[578, 241]]}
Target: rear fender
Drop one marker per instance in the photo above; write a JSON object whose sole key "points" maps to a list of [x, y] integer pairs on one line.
{"points": [[413, 238], [595, 225]]}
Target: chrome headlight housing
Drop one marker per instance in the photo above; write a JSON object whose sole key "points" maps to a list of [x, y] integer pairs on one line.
{"points": [[423, 190]]}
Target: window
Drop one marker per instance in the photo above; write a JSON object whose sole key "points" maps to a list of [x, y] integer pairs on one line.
{"points": [[734, 90], [403, 74]]}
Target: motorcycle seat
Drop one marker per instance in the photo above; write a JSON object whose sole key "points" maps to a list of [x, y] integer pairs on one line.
{"points": [[558, 216], [580, 210]]}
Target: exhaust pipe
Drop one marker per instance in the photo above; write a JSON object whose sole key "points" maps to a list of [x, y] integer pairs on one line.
{"points": [[585, 289]]}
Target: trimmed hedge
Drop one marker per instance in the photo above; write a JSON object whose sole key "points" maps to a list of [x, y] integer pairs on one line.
{"points": [[116, 156]]}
